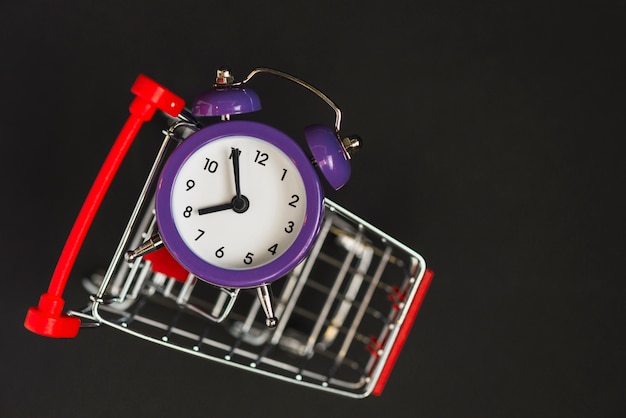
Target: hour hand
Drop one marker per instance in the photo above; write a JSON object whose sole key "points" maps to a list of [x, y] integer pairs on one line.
{"points": [[216, 208]]}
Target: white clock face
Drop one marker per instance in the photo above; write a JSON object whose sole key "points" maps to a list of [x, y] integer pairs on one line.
{"points": [[238, 231]]}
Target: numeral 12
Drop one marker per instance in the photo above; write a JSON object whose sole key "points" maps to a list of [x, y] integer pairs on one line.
{"points": [[261, 157]]}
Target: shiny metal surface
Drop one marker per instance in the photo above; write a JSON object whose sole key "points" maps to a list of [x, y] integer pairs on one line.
{"points": [[301, 83]]}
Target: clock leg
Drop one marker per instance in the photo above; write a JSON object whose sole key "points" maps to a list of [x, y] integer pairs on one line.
{"points": [[153, 243], [265, 297]]}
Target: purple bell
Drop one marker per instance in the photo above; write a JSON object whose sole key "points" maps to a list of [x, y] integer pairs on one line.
{"points": [[226, 101], [329, 154]]}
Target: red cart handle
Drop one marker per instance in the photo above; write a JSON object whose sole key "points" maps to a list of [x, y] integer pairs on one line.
{"points": [[47, 318], [403, 333]]}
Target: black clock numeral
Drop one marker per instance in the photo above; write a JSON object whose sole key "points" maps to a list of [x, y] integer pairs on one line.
{"points": [[187, 212], [284, 173], [190, 184], [261, 158], [211, 165], [248, 258], [220, 252], [201, 233], [273, 248], [294, 201], [289, 227]]}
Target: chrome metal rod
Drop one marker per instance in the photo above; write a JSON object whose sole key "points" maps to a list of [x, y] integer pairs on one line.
{"points": [[117, 256], [331, 296], [309, 263], [301, 83], [364, 254], [343, 351]]}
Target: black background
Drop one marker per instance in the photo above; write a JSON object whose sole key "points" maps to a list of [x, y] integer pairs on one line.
{"points": [[493, 146]]}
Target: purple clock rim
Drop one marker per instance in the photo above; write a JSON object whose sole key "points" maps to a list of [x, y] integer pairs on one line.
{"points": [[266, 273]]}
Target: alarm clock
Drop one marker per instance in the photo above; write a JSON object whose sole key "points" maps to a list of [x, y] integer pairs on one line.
{"points": [[239, 203]]}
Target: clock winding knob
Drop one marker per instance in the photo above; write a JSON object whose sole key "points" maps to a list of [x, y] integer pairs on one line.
{"points": [[352, 144]]}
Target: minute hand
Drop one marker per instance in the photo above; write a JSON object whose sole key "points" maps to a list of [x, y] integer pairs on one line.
{"points": [[235, 154]]}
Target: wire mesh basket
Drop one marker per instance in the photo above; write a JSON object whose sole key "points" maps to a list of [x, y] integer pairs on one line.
{"points": [[344, 311]]}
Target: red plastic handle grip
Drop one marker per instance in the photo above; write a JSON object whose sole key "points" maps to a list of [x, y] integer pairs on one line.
{"points": [[403, 332], [47, 318]]}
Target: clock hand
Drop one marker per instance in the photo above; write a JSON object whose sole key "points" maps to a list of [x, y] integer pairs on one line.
{"points": [[216, 208], [240, 203], [235, 154]]}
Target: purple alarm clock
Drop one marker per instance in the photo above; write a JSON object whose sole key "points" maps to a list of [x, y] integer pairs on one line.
{"points": [[239, 204]]}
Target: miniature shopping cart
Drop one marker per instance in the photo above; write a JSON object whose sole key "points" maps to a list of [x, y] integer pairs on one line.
{"points": [[344, 311]]}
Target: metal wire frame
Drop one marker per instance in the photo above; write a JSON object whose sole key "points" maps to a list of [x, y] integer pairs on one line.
{"points": [[339, 310]]}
